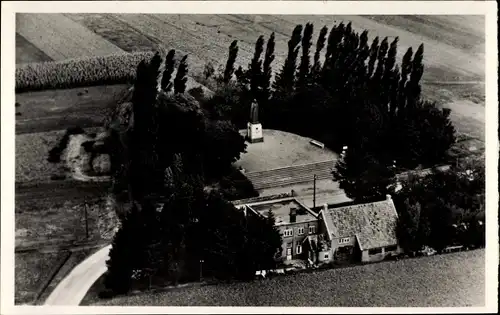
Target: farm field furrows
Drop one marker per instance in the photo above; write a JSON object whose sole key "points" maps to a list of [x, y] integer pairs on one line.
{"points": [[61, 38], [59, 109], [26, 52], [115, 31], [449, 280], [462, 32]]}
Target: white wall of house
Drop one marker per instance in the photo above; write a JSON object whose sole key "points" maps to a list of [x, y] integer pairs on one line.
{"points": [[343, 241], [325, 256]]}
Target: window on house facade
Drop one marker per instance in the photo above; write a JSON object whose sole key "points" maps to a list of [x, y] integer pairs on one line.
{"points": [[288, 232], [299, 249], [391, 248], [374, 251], [312, 229], [300, 231], [344, 240]]}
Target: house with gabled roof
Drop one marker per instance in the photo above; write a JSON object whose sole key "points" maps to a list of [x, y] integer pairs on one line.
{"points": [[362, 232], [295, 222], [344, 233]]}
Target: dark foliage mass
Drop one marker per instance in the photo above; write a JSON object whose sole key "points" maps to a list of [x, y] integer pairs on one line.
{"points": [[356, 96], [442, 209], [176, 231]]}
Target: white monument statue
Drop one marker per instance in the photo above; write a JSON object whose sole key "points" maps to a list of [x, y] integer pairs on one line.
{"points": [[254, 128]]}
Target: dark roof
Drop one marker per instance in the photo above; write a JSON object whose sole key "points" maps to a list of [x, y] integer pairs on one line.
{"points": [[374, 223], [281, 210]]}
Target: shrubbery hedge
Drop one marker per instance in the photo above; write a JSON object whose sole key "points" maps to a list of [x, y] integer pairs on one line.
{"points": [[111, 69]]}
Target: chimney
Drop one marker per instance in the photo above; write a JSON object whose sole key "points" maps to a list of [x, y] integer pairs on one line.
{"points": [[388, 197], [293, 215]]}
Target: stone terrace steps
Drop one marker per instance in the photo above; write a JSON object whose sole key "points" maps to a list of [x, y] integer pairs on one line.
{"points": [[291, 174]]}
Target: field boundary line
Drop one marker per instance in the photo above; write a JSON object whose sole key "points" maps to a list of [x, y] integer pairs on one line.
{"points": [[52, 276]]}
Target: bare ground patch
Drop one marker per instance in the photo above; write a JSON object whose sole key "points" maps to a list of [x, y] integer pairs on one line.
{"points": [[26, 52], [281, 149]]}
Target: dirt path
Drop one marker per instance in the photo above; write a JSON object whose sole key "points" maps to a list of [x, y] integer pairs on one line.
{"points": [[73, 288]]}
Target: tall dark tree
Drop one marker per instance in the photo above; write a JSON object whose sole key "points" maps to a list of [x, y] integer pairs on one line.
{"points": [[143, 140], [320, 44], [223, 145], [379, 71], [408, 225], [362, 176], [181, 76], [285, 80], [388, 77], [166, 84], [437, 133], [305, 62], [233, 54], [413, 86], [374, 48], [136, 250], [267, 70], [406, 66], [255, 67]]}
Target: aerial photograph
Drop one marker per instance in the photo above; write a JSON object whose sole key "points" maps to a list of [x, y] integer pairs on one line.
{"points": [[250, 160]]}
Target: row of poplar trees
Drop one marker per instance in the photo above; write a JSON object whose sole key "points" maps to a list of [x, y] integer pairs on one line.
{"points": [[350, 93]]}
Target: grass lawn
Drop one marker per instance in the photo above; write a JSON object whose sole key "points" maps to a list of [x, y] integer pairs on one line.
{"points": [[32, 272], [53, 222], [32, 151], [59, 109], [445, 280]]}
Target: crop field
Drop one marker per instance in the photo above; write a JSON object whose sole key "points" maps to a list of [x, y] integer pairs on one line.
{"points": [[449, 280]]}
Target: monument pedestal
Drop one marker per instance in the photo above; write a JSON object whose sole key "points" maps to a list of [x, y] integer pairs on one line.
{"points": [[254, 132]]}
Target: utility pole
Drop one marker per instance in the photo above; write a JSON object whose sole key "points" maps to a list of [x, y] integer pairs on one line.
{"points": [[86, 221], [201, 269], [314, 194]]}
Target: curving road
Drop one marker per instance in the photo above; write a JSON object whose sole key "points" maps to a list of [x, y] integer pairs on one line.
{"points": [[73, 288]]}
